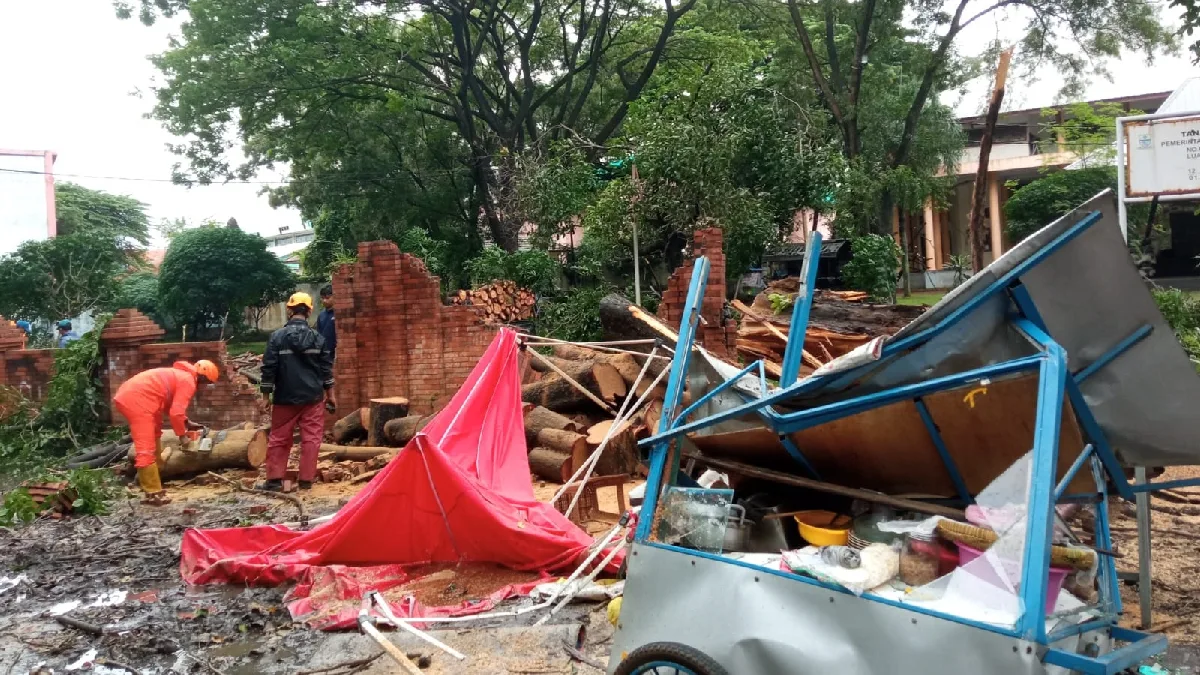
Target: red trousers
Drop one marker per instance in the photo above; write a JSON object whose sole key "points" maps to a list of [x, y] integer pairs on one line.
{"points": [[284, 418]]}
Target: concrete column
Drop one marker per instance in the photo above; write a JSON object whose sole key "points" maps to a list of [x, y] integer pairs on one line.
{"points": [[995, 216], [930, 237], [941, 239]]}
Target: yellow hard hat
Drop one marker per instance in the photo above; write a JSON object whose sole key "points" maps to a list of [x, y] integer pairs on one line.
{"points": [[207, 369], [300, 299]]}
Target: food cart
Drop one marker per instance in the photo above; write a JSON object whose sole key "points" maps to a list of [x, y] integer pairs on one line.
{"points": [[1059, 337]]}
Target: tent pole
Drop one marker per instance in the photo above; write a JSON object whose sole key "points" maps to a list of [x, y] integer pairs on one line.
{"points": [[1143, 527]]}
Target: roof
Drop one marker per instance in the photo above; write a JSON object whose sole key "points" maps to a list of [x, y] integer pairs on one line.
{"points": [[154, 256], [1185, 99], [1156, 100], [789, 251]]}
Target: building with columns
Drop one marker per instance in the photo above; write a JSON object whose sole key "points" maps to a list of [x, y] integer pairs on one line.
{"points": [[1022, 151]]}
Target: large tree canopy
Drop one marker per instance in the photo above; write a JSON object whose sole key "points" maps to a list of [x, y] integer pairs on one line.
{"points": [[842, 43], [80, 269], [443, 90], [210, 275]]}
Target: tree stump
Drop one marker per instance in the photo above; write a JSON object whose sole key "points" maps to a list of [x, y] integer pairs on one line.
{"points": [[382, 411]]}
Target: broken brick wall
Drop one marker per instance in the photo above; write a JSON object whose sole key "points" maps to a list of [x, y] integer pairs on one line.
{"points": [[714, 333], [129, 347], [395, 337], [129, 343]]}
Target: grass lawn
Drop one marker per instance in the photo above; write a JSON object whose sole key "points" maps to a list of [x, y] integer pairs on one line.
{"points": [[920, 298], [234, 348]]}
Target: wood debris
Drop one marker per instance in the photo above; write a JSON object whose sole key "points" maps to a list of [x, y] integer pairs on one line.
{"points": [[500, 301]]}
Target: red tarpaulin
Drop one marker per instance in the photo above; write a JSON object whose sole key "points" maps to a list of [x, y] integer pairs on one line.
{"points": [[458, 492]]}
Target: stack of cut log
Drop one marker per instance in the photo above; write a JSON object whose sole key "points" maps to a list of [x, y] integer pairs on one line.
{"points": [[501, 301], [574, 402], [839, 322]]}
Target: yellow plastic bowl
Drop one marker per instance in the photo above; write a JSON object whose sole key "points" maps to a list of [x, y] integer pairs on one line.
{"points": [[824, 528]]}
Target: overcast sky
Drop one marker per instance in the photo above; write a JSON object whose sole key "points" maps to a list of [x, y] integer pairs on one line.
{"points": [[70, 69]]}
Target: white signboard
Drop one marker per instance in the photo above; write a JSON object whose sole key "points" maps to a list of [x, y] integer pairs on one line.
{"points": [[1163, 157]]}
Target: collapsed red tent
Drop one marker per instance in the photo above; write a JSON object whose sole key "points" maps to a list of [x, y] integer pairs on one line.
{"points": [[458, 492]]}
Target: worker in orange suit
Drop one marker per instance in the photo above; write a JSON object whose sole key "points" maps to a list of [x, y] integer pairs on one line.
{"points": [[143, 400]]}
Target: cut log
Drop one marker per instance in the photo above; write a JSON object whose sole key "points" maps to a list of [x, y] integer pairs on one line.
{"points": [[384, 410], [651, 415], [620, 455], [563, 441], [399, 432], [238, 449], [575, 353], [352, 453], [538, 418], [566, 364], [550, 465], [352, 427], [555, 392], [609, 383]]}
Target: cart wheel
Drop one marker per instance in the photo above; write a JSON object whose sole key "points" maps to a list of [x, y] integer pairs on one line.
{"points": [[668, 658]]}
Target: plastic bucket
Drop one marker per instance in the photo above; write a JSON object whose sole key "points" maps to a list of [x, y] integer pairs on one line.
{"points": [[986, 572]]}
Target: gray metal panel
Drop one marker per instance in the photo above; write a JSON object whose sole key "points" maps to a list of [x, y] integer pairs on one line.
{"points": [[1091, 297], [756, 623]]}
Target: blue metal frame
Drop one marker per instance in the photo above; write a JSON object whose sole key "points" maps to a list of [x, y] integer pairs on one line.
{"points": [[793, 355], [1055, 386], [675, 381], [960, 485]]}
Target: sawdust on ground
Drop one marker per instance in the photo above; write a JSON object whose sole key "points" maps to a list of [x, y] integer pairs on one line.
{"points": [[1175, 561]]}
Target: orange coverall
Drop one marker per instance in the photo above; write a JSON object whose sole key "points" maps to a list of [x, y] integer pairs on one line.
{"points": [[143, 400]]}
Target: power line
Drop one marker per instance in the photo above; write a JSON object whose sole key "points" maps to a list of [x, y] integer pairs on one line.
{"points": [[334, 181]]}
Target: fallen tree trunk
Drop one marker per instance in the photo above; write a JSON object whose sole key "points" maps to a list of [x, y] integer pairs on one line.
{"points": [[238, 449], [623, 320], [352, 427], [563, 441], [399, 432], [382, 411], [570, 389], [538, 418], [352, 453], [550, 465]]}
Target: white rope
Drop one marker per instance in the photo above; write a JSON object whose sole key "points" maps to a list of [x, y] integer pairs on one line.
{"points": [[620, 418], [595, 458], [541, 342]]}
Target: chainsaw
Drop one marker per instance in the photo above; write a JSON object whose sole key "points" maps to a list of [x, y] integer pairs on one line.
{"points": [[200, 440]]}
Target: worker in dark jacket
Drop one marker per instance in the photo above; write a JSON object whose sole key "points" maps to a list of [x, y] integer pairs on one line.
{"points": [[325, 321], [297, 381]]}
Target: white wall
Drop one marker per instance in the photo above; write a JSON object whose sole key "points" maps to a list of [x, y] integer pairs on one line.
{"points": [[23, 203]]}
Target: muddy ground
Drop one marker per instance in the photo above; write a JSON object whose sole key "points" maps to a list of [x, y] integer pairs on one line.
{"points": [[120, 572]]}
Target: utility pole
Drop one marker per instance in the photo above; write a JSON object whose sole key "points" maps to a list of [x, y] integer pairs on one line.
{"points": [[637, 264], [979, 194]]}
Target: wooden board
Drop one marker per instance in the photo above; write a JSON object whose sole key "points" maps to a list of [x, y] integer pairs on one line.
{"points": [[889, 449]]}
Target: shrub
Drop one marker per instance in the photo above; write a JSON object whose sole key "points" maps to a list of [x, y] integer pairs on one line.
{"points": [[1045, 200], [874, 267], [1182, 312]]}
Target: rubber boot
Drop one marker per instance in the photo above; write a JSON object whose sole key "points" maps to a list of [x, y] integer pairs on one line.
{"points": [[151, 484], [271, 485]]}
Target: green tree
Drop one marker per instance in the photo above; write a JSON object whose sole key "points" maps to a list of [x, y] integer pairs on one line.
{"points": [[79, 209], [97, 243], [428, 100], [1033, 206], [139, 291], [210, 275], [841, 44], [714, 145]]}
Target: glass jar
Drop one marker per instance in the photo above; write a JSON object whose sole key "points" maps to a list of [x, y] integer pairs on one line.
{"points": [[919, 559]]}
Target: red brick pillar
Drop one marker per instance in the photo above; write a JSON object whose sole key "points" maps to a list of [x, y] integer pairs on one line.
{"points": [[119, 342]]}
